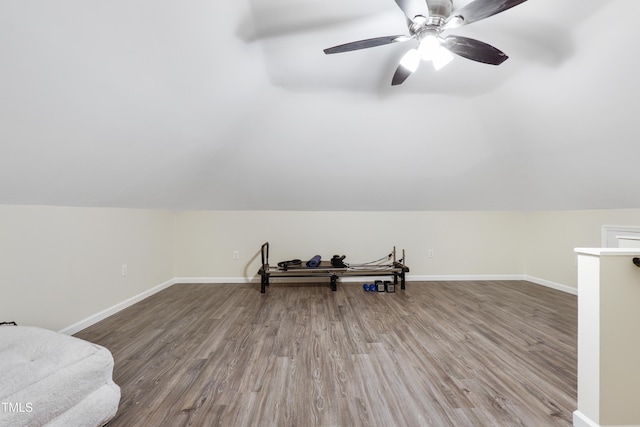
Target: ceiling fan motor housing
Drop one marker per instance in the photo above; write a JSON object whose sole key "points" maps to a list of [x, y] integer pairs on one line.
{"points": [[439, 11]]}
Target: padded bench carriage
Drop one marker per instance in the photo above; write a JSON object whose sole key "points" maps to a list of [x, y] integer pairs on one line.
{"points": [[396, 269]]}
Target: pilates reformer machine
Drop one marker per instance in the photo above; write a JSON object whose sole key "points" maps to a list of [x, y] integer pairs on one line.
{"points": [[334, 269]]}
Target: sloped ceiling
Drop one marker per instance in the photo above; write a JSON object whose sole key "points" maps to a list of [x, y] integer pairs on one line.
{"points": [[198, 104]]}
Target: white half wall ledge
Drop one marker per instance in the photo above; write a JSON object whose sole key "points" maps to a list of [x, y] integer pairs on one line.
{"points": [[607, 338], [608, 251]]}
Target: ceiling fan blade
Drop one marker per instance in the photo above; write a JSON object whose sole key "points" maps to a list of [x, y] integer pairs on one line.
{"points": [[481, 9], [408, 64], [474, 50], [364, 44], [413, 8]]}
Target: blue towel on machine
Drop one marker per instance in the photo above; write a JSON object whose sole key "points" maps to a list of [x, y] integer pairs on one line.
{"points": [[314, 262]]}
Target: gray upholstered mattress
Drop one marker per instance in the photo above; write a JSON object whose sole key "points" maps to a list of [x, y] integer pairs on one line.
{"points": [[48, 378]]}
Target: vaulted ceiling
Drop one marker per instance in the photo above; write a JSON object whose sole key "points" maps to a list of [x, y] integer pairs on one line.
{"points": [[200, 104]]}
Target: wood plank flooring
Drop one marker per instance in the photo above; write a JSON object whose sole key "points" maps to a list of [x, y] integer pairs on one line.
{"points": [[489, 353]]}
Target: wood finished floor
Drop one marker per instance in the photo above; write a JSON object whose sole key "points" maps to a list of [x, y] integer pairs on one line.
{"points": [[437, 354]]}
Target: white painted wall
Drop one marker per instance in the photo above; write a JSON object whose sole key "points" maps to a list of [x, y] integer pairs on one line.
{"points": [[552, 236], [61, 265], [463, 243]]}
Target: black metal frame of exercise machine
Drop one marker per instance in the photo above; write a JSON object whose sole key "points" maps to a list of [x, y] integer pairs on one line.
{"points": [[397, 269]]}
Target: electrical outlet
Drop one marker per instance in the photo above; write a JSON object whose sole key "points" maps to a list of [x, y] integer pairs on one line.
{"points": [[236, 255], [430, 253], [124, 269]]}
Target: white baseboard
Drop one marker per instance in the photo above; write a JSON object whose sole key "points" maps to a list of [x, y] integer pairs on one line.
{"points": [[85, 323], [346, 279], [367, 279], [581, 420], [536, 280], [216, 280], [463, 278], [550, 284], [371, 279]]}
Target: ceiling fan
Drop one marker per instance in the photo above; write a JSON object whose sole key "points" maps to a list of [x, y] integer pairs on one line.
{"points": [[427, 20]]}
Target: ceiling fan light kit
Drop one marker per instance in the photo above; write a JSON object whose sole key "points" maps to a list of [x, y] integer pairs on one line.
{"points": [[426, 21], [431, 49]]}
